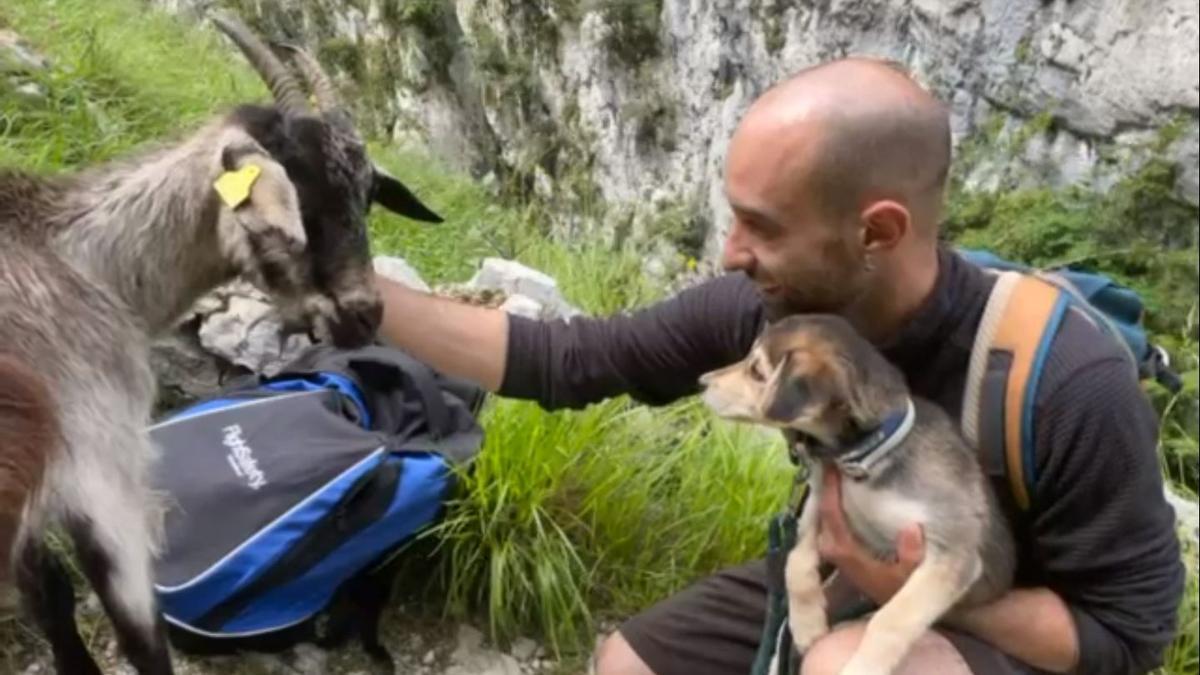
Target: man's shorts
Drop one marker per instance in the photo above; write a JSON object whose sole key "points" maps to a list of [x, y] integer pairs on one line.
{"points": [[713, 628]]}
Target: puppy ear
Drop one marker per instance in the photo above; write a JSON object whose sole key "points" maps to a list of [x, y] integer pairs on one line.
{"points": [[789, 400], [397, 198]]}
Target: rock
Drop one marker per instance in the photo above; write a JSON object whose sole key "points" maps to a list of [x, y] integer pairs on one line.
{"points": [[523, 305], [1187, 515], [1099, 68], [469, 640], [524, 649], [185, 370], [17, 56], [398, 270], [514, 279], [246, 331], [310, 660], [18, 61], [429, 657], [470, 657]]}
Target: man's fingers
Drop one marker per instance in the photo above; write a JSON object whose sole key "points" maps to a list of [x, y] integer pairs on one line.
{"points": [[910, 545], [832, 530]]}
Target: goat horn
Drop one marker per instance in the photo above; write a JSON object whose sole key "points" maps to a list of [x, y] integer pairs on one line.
{"points": [[322, 87], [281, 83]]}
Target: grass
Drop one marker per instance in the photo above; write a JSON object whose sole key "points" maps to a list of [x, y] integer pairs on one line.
{"points": [[570, 518]]}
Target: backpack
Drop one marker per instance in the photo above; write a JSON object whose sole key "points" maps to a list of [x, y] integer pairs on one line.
{"points": [[1024, 311], [289, 498], [1021, 319]]}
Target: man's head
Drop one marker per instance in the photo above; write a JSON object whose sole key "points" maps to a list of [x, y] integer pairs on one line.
{"points": [[836, 178]]}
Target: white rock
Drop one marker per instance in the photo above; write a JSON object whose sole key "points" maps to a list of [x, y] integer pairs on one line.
{"points": [[1187, 514], [310, 660], [514, 278], [469, 639], [429, 657], [524, 649], [247, 333], [16, 55], [523, 305], [398, 270]]}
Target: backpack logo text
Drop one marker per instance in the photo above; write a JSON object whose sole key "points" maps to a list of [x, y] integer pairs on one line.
{"points": [[241, 457]]}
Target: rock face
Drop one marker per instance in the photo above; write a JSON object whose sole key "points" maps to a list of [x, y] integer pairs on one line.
{"points": [[630, 104]]}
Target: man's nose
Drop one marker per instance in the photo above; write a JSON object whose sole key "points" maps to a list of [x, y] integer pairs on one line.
{"points": [[735, 254]]}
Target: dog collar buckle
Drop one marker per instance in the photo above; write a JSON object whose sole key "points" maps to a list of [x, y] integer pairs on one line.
{"points": [[853, 470]]}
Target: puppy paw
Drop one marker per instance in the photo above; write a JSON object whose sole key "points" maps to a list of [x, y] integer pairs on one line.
{"points": [[856, 667], [807, 625]]}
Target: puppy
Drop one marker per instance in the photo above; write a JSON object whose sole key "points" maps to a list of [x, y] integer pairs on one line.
{"points": [[902, 459]]}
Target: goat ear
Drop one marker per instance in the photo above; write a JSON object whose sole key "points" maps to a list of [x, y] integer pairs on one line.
{"points": [[397, 198], [257, 192]]}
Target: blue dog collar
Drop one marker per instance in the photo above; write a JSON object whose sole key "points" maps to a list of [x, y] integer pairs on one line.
{"points": [[858, 460]]}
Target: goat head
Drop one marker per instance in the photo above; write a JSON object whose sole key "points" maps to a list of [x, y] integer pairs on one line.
{"points": [[329, 288]]}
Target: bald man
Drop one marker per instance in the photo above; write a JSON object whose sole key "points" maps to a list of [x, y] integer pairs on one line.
{"points": [[836, 180]]}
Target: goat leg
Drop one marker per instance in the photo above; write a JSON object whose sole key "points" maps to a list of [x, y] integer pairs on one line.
{"points": [[49, 597], [144, 645]]}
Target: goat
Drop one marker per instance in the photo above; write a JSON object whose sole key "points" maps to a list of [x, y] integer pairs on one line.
{"points": [[98, 263]]}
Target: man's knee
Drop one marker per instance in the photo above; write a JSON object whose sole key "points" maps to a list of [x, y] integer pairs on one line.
{"points": [[616, 657], [932, 653]]}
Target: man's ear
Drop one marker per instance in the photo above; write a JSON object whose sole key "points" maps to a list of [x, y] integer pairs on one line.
{"points": [[397, 198], [885, 224]]}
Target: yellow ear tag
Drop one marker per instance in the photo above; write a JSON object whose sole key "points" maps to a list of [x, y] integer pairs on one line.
{"points": [[234, 186]]}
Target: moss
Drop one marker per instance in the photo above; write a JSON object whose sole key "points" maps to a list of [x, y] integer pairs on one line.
{"points": [[633, 35], [775, 34], [432, 22], [345, 55], [1024, 51], [1139, 232], [682, 225], [1171, 132], [654, 121], [1038, 125]]}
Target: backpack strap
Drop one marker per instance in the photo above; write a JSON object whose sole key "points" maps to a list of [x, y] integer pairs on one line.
{"points": [[1020, 321]]}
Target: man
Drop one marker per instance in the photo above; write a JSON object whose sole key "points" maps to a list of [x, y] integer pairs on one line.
{"points": [[836, 179]]}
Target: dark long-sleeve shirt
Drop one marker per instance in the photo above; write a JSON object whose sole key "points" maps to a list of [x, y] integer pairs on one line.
{"points": [[1102, 534]]}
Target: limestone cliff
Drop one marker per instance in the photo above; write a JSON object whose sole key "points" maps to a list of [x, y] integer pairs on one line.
{"points": [[623, 108]]}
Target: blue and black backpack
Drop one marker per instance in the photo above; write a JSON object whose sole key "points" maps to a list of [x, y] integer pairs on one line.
{"points": [[290, 497]]}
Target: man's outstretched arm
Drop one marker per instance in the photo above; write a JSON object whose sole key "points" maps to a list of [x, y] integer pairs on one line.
{"points": [[655, 354]]}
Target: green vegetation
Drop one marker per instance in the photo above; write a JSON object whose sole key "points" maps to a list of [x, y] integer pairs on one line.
{"points": [[633, 30], [573, 517]]}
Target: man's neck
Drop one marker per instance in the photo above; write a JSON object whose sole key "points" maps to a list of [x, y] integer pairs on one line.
{"points": [[905, 285]]}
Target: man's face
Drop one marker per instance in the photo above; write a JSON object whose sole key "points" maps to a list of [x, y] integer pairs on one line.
{"points": [[802, 259]]}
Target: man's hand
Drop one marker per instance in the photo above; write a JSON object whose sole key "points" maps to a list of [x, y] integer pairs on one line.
{"points": [[877, 579]]}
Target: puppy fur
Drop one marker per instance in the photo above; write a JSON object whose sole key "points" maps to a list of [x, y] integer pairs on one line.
{"points": [[825, 386]]}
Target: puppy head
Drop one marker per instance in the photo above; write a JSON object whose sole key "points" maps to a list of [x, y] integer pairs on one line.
{"points": [[811, 374]]}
